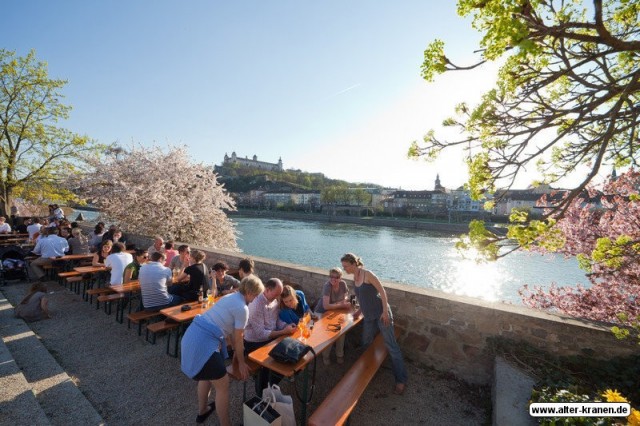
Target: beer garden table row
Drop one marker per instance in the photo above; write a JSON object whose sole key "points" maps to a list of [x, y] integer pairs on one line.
{"points": [[327, 329]]}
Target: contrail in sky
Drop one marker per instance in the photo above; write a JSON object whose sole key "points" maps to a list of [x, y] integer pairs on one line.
{"points": [[342, 91]]}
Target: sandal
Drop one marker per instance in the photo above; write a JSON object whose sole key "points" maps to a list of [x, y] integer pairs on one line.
{"points": [[201, 418]]}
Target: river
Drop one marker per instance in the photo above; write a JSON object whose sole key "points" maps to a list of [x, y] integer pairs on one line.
{"points": [[415, 257]]}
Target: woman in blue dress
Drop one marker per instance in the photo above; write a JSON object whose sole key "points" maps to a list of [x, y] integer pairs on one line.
{"points": [[204, 347], [377, 314]]}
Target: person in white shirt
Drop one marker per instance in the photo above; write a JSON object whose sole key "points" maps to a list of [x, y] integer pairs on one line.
{"points": [[4, 226], [49, 246], [117, 261], [34, 227]]}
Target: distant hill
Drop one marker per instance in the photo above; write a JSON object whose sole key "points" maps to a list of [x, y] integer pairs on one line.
{"points": [[238, 178]]}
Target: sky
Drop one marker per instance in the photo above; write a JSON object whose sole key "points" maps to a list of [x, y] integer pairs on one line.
{"points": [[331, 87]]}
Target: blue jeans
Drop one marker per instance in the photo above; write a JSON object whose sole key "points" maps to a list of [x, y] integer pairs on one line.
{"points": [[370, 327]]}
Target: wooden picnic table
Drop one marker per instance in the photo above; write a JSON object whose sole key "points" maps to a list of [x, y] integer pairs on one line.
{"points": [[90, 269], [323, 335]]}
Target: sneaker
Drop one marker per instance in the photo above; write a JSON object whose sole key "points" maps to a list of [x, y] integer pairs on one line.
{"points": [[340, 360]]}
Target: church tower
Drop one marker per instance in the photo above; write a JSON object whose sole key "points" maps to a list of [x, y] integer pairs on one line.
{"points": [[437, 186]]}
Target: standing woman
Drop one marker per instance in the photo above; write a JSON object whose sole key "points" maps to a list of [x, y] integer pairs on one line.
{"points": [[204, 348], [377, 314]]}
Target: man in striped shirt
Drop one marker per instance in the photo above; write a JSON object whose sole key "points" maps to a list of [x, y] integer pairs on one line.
{"points": [[153, 277]]}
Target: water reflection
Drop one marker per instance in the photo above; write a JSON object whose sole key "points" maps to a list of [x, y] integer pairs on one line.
{"points": [[416, 257]]}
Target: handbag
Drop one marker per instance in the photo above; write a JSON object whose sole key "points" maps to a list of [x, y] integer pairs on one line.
{"points": [[259, 412], [283, 404], [290, 351]]}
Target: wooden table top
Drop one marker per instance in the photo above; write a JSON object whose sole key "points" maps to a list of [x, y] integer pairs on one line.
{"points": [[76, 257], [177, 314], [130, 287], [90, 269], [321, 338]]}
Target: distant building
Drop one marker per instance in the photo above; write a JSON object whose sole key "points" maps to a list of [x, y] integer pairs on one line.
{"points": [[253, 163]]}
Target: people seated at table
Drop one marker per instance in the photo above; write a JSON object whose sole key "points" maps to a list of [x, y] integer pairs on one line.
{"points": [[335, 295], [117, 261], [264, 325], [33, 228], [376, 311], [57, 212], [157, 246], [48, 247], [245, 267], [204, 348], [5, 228], [78, 243], [102, 253], [140, 257], [293, 305], [169, 252], [224, 283], [20, 225], [153, 278], [197, 274], [114, 234], [95, 238], [65, 232], [34, 306], [182, 260]]}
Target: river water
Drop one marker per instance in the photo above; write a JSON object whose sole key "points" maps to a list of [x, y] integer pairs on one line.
{"points": [[415, 257]]}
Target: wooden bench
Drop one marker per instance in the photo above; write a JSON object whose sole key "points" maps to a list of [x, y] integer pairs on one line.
{"points": [[99, 291], [338, 405], [140, 318], [158, 327], [108, 299], [234, 373]]}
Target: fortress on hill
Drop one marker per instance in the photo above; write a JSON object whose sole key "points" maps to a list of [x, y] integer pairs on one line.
{"points": [[253, 163]]}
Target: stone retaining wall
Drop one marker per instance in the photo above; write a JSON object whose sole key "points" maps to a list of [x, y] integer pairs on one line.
{"points": [[450, 332]]}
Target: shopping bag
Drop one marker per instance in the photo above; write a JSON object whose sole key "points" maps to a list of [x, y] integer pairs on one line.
{"points": [[259, 412], [283, 404]]}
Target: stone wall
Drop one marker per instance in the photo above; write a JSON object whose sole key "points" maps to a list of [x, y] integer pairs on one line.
{"points": [[450, 332]]}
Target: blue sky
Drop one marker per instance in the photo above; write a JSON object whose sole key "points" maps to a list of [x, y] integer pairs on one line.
{"points": [[331, 87]]}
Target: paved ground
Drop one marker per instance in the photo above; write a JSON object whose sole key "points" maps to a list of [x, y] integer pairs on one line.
{"points": [[129, 381]]}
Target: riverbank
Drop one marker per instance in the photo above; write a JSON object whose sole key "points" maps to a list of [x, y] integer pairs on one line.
{"points": [[395, 222]]}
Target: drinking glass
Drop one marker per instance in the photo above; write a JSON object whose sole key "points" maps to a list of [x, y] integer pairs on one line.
{"points": [[306, 332], [209, 297]]}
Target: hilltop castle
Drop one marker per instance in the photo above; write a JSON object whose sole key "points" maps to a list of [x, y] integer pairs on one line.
{"points": [[253, 163]]}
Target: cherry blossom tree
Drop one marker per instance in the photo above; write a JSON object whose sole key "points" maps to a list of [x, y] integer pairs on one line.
{"points": [[602, 230], [150, 191]]}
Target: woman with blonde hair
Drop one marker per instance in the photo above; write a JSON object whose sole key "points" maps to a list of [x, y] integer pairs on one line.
{"points": [[204, 348], [377, 314], [34, 306], [293, 305]]}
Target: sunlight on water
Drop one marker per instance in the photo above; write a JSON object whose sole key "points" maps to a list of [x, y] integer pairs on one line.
{"points": [[415, 257]]}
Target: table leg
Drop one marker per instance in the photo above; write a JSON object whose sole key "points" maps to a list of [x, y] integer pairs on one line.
{"points": [[305, 384]]}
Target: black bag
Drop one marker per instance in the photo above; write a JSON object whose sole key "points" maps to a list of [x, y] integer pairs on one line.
{"points": [[290, 351]]}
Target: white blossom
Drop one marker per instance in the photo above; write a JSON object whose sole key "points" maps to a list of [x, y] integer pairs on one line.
{"points": [[152, 192]]}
